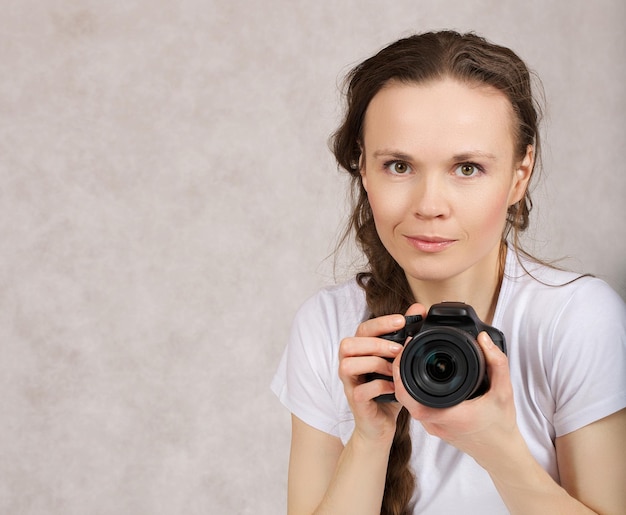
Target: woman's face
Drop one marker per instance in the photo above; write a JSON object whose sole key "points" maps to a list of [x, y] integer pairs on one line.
{"points": [[440, 172]]}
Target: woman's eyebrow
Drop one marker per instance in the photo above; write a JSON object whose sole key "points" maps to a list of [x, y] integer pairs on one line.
{"points": [[462, 156], [396, 154], [474, 154]]}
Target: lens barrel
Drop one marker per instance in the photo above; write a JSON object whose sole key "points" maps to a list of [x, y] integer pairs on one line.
{"points": [[441, 367]]}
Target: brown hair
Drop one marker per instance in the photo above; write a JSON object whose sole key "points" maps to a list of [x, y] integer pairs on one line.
{"points": [[417, 59]]}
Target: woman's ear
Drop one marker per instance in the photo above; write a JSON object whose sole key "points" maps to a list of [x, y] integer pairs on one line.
{"points": [[360, 165], [363, 178], [523, 172]]}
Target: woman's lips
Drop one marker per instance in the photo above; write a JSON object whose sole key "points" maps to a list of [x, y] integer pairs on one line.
{"points": [[430, 243]]}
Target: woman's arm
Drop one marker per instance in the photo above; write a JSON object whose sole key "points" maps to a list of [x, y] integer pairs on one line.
{"points": [[325, 477], [592, 466], [592, 463], [592, 460]]}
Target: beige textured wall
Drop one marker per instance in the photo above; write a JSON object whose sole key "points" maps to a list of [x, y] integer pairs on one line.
{"points": [[167, 201]]}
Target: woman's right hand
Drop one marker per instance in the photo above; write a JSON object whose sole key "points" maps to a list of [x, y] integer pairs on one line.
{"points": [[367, 353], [326, 476]]}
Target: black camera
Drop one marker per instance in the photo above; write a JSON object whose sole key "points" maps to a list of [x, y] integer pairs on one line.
{"points": [[443, 365]]}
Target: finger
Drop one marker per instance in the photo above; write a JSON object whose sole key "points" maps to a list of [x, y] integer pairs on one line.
{"points": [[418, 411], [416, 309], [370, 390], [354, 369], [401, 393], [381, 325], [368, 346], [497, 362]]}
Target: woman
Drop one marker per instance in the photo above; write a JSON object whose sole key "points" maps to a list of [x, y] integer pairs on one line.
{"points": [[441, 139]]}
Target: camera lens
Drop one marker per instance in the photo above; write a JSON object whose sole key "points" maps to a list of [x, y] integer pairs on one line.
{"points": [[440, 366], [437, 368]]}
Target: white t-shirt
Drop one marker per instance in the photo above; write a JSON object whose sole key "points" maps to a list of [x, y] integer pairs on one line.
{"points": [[567, 355]]}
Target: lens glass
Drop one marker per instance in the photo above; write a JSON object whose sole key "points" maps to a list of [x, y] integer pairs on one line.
{"points": [[440, 366]]}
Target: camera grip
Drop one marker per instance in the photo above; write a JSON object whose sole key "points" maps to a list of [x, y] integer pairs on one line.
{"points": [[386, 397], [411, 327]]}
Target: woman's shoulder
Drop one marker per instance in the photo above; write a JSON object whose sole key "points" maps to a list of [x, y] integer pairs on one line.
{"points": [[338, 309], [530, 273], [566, 338], [548, 291]]}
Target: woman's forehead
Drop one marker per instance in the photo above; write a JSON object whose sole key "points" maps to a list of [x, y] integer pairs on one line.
{"points": [[442, 113]]}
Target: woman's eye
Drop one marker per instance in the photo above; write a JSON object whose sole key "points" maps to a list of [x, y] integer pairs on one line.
{"points": [[398, 167], [467, 170]]}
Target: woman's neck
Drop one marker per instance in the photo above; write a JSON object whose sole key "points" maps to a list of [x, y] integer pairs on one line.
{"points": [[478, 287]]}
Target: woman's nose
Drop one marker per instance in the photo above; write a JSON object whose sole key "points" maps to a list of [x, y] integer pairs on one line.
{"points": [[430, 199]]}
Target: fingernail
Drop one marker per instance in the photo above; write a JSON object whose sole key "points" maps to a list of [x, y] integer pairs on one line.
{"points": [[395, 347], [398, 321], [486, 340]]}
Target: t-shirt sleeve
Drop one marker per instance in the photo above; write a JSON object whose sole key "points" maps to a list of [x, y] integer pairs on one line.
{"points": [[588, 372], [305, 381]]}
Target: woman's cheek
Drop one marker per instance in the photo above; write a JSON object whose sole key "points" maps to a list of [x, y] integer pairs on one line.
{"points": [[492, 212], [394, 200]]}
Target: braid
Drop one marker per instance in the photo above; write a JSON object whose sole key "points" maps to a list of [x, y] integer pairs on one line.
{"points": [[391, 294], [400, 482]]}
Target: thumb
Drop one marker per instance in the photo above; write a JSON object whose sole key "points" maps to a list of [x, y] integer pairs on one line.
{"points": [[496, 360], [416, 309]]}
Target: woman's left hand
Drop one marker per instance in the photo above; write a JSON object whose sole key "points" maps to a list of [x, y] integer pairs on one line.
{"points": [[481, 427]]}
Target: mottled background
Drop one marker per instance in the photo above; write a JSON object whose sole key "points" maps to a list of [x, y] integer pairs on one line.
{"points": [[167, 200]]}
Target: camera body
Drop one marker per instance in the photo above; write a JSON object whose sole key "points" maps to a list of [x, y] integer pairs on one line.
{"points": [[442, 364]]}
